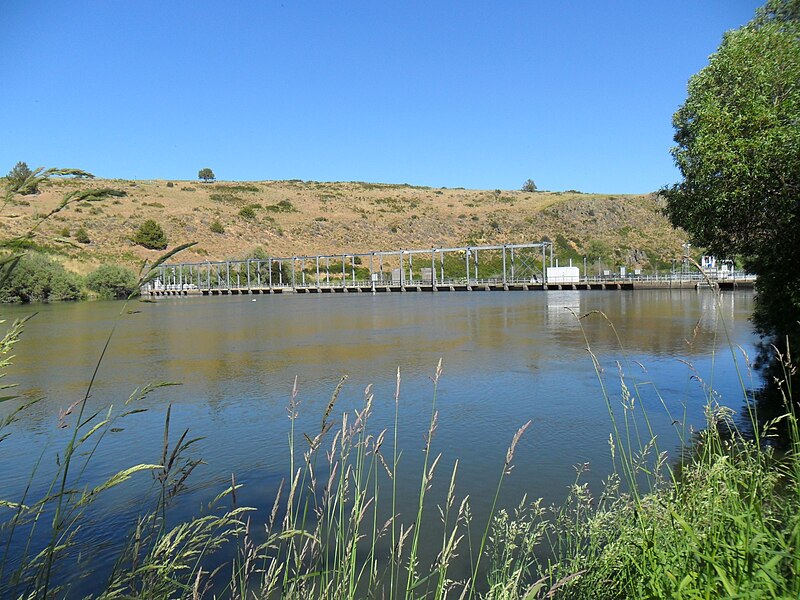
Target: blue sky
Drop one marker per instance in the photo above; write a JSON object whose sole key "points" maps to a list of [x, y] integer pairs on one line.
{"points": [[574, 95]]}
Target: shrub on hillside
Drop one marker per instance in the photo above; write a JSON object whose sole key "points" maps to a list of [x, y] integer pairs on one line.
{"points": [[282, 206], [216, 227], [82, 237], [248, 213], [150, 235], [112, 282], [38, 279]]}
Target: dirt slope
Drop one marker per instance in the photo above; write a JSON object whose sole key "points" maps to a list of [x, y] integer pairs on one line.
{"points": [[287, 218]]}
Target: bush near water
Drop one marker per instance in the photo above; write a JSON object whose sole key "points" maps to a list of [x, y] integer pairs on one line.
{"points": [[37, 278], [112, 282]]}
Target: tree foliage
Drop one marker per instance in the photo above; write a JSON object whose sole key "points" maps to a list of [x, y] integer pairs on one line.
{"points": [[17, 177], [738, 149], [150, 235], [529, 186], [21, 180], [206, 174], [112, 282], [36, 278]]}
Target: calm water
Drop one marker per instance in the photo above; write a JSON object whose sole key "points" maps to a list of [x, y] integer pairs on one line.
{"points": [[507, 358]]}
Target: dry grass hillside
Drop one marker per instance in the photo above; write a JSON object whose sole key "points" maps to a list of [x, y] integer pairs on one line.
{"points": [[287, 218]]}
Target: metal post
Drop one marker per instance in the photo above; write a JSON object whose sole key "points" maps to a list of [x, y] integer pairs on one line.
{"points": [[328, 270], [585, 274], [512, 264], [258, 273], [433, 267], [270, 273], [280, 272], [344, 275], [441, 264], [402, 270], [411, 268], [294, 270], [467, 257], [504, 264], [476, 265], [228, 273], [353, 268], [317, 271], [208, 275], [544, 262]]}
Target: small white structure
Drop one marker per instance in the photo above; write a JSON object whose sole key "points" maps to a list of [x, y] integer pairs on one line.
{"points": [[716, 267], [563, 275]]}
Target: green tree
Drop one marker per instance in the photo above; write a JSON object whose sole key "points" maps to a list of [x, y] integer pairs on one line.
{"points": [[529, 186], [37, 278], [206, 174], [112, 282], [150, 235], [19, 175], [738, 150]]}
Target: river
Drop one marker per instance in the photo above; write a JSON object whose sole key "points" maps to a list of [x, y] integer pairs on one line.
{"points": [[507, 357]]}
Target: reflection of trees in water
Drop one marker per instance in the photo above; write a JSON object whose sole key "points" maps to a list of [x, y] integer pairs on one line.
{"points": [[775, 398], [767, 398]]}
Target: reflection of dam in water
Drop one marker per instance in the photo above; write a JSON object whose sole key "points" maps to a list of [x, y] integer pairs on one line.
{"points": [[507, 267], [654, 321]]}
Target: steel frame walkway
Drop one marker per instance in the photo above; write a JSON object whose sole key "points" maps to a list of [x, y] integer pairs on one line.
{"points": [[277, 275]]}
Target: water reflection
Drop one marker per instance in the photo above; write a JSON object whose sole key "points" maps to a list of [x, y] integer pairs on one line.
{"points": [[508, 358]]}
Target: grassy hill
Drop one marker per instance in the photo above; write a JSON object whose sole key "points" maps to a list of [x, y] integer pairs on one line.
{"points": [[294, 217]]}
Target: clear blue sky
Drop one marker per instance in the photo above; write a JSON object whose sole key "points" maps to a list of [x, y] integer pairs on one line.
{"points": [[575, 95]]}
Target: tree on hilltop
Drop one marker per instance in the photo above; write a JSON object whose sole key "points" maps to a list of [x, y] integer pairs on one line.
{"points": [[206, 175], [17, 177], [529, 186]]}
